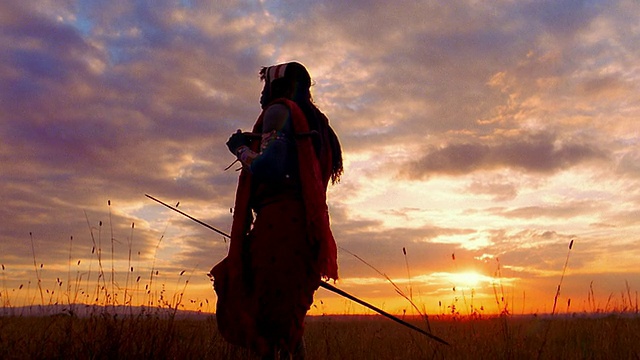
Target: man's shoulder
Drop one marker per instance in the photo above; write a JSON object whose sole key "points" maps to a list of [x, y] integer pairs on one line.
{"points": [[275, 117]]}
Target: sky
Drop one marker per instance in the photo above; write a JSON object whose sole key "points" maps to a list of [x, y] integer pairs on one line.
{"points": [[480, 139]]}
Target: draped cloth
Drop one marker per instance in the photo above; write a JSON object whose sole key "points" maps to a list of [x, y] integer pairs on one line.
{"points": [[265, 285]]}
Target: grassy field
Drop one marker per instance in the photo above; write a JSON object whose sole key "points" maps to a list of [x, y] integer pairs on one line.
{"points": [[76, 320], [155, 336]]}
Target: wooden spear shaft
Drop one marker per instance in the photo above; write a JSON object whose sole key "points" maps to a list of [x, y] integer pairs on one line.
{"points": [[379, 311], [189, 216]]}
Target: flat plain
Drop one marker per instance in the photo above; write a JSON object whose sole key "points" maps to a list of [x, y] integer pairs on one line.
{"points": [[167, 336]]}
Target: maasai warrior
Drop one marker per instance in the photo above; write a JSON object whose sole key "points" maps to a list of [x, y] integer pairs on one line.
{"points": [[276, 261]]}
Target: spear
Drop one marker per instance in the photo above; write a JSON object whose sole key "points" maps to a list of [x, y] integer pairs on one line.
{"points": [[322, 283], [379, 311], [189, 216]]}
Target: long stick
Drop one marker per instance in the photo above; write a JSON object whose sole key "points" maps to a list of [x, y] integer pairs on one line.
{"points": [[189, 216], [322, 283], [379, 311]]}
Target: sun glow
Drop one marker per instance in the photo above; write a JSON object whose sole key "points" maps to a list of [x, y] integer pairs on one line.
{"points": [[469, 279]]}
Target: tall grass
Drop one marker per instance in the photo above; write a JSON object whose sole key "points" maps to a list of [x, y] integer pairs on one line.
{"points": [[555, 302], [564, 270], [89, 288], [328, 337], [35, 266]]}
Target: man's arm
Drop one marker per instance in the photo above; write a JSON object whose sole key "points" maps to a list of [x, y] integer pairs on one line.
{"points": [[270, 163]]}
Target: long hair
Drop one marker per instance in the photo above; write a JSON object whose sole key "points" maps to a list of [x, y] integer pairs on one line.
{"points": [[296, 83]]}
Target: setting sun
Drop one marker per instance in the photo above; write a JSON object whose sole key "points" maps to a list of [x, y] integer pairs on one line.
{"points": [[469, 279]]}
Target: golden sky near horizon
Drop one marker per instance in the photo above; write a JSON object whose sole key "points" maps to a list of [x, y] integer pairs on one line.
{"points": [[480, 138]]}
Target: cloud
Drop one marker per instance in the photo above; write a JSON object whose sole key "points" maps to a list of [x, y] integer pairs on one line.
{"points": [[539, 153], [565, 210], [500, 189], [629, 163], [113, 100]]}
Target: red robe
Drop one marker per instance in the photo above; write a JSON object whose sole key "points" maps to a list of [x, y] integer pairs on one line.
{"points": [[265, 285]]}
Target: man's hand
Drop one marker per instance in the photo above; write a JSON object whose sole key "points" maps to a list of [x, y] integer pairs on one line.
{"points": [[237, 140]]}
